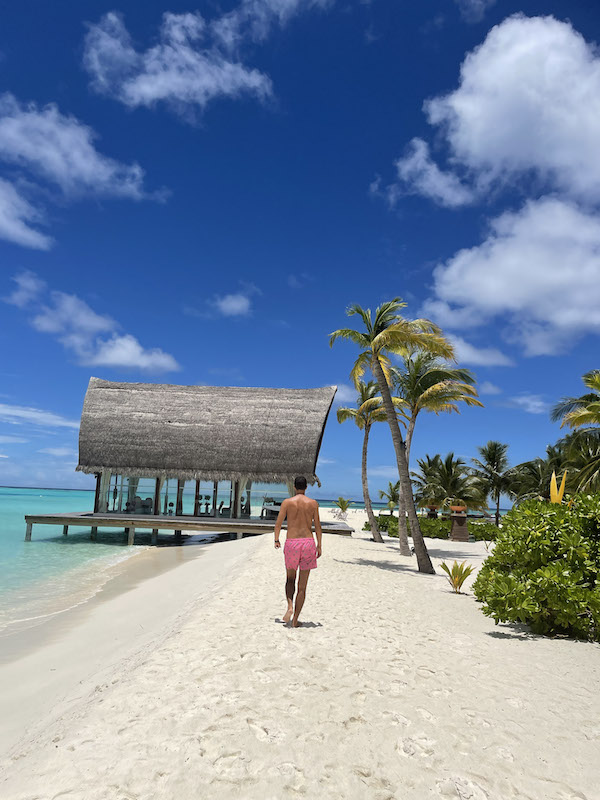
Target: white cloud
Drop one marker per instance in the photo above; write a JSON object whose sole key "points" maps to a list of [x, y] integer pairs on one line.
{"points": [[418, 174], [346, 394], [3, 456], [16, 216], [326, 461], [94, 338], [474, 10], [60, 149], [60, 452], [12, 440], [531, 403], [184, 69], [527, 107], [539, 266], [18, 415], [487, 387], [467, 353], [233, 305]]}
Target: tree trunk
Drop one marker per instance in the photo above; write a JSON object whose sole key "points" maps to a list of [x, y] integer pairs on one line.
{"points": [[498, 512], [406, 494], [365, 486], [409, 434]]}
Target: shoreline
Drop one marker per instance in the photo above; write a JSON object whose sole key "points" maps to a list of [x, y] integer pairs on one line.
{"points": [[47, 668]]}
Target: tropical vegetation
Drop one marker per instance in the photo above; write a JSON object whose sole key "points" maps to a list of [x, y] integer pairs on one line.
{"points": [[545, 567], [364, 416], [384, 334], [391, 495], [447, 482], [493, 472], [457, 574]]}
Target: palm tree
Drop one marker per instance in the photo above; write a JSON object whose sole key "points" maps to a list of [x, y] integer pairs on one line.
{"points": [[531, 479], [364, 416], [388, 332], [492, 468], [575, 412], [425, 383], [448, 481], [392, 495]]}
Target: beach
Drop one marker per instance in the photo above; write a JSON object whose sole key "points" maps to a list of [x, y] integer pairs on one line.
{"points": [[393, 688]]}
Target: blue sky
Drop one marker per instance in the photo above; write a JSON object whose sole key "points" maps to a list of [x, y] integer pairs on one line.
{"points": [[194, 193]]}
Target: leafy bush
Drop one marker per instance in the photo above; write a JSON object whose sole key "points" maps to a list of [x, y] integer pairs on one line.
{"points": [[483, 531], [545, 568], [436, 528]]}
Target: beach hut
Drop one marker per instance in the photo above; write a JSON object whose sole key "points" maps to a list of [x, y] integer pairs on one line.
{"points": [[146, 442]]}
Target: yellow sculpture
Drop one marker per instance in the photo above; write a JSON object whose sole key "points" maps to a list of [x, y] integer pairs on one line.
{"points": [[556, 494]]}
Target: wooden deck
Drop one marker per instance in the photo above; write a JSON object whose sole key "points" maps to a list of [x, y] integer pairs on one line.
{"points": [[132, 522]]}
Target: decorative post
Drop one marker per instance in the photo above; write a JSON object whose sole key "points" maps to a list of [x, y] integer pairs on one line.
{"points": [[459, 531]]}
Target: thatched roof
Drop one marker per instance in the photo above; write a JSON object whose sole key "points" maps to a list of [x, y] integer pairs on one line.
{"points": [[202, 432]]}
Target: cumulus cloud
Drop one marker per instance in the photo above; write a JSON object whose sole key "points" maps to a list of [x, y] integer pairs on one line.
{"points": [[18, 415], [233, 305], [527, 106], [540, 266], [467, 353], [61, 150], [94, 338], [419, 174], [48, 151], [16, 218], [474, 10]]}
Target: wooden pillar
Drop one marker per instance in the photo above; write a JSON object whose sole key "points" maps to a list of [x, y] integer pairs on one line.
{"points": [[28, 532], [197, 499], [179, 500], [97, 495], [94, 533], [131, 536], [177, 536], [290, 488], [103, 491], [215, 497], [157, 497], [236, 500], [65, 530], [155, 536]]}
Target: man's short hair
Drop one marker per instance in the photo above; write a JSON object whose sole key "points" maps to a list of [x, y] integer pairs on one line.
{"points": [[300, 483]]}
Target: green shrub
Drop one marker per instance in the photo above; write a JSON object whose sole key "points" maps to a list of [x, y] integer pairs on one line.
{"points": [[545, 568], [483, 531]]}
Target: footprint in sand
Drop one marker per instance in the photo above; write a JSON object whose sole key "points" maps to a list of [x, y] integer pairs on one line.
{"points": [[397, 719], [461, 789], [426, 715], [416, 746], [264, 734]]}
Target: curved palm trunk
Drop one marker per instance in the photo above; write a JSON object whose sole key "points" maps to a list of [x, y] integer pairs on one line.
{"points": [[406, 494], [498, 510], [365, 487], [409, 434]]}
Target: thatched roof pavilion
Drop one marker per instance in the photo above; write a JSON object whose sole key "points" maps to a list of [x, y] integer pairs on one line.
{"points": [[202, 432]]}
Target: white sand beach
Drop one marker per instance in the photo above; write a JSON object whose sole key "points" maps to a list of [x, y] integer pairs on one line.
{"points": [[393, 688]]}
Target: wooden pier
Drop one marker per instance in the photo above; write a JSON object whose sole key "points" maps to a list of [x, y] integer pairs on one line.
{"points": [[132, 522]]}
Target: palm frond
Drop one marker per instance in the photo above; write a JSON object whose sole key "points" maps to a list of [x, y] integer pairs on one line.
{"points": [[349, 333]]}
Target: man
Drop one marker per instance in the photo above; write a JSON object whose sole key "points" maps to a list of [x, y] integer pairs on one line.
{"points": [[300, 551]]}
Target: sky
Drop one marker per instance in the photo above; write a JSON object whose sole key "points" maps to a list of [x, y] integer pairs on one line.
{"points": [[194, 193]]}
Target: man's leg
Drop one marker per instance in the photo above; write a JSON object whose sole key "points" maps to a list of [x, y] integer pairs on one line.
{"points": [[290, 586], [300, 595]]}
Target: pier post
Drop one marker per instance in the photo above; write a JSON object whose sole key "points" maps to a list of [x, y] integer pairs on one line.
{"points": [[28, 532], [94, 532], [177, 536], [65, 530], [131, 535], [154, 535], [239, 535]]}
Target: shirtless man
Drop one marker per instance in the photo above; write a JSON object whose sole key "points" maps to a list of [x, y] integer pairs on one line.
{"points": [[299, 550]]}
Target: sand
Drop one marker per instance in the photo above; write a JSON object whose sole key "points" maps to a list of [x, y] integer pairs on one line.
{"points": [[394, 688]]}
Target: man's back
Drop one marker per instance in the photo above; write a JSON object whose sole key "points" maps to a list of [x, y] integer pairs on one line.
{"points": [[300, 511]]}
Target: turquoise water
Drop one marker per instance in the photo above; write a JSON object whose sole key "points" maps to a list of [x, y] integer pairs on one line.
{"points": [[52, 572]]}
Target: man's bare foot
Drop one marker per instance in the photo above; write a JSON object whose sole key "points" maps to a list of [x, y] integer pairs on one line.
{"points": [[288, 615], [296, 623]]}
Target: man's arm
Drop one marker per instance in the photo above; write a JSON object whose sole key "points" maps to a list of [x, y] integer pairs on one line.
{"points": [[279, 523], [318, 530]]}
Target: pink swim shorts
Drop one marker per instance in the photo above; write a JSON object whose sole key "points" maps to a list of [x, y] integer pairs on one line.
{"points": [[300, 553]]}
